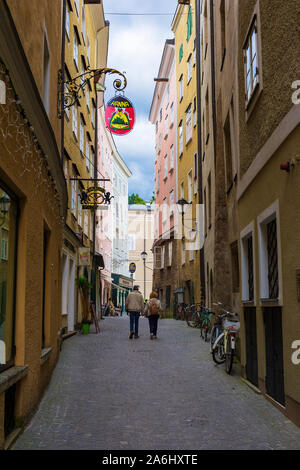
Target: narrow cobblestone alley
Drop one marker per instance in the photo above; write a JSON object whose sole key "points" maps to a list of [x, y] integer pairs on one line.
{"points": [[109, 393]]}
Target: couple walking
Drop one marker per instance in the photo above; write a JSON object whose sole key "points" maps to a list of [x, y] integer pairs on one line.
{"points": [[135, 306]]}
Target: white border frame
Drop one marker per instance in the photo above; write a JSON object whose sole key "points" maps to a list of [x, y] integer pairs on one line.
{"points": [[244, 235], [272, 212]]}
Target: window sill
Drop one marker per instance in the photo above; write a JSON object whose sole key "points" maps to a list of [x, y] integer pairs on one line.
{"points": [[11, 376], [46, 353]]}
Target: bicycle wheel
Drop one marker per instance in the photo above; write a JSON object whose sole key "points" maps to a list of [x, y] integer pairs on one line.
{"points": [[213, 338], [202, 328], [218, 352], [229, 355]]}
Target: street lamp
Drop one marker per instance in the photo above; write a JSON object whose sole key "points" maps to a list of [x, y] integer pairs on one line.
{"points": [[144, 257]]}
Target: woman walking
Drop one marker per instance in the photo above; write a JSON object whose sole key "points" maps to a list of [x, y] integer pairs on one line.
{"points": [[152, 309]]}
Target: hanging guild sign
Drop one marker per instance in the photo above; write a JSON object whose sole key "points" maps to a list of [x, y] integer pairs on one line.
{"points": [[119, 115]]}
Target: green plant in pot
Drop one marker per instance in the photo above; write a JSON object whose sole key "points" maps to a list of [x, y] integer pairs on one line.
{"points": [[84, 289]]}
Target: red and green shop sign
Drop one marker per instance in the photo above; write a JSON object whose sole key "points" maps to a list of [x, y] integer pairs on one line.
{"points": [[119, 115]]}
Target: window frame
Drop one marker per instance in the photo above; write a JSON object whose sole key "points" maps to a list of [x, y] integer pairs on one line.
{"points": [[257, 90]]}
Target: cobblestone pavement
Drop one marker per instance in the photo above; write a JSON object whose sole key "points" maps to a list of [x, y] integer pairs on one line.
{"points": [[110, 393]]}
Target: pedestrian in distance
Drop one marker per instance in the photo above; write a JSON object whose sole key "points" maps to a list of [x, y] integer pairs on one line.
{"points": [[152, 311], [134, 305]]}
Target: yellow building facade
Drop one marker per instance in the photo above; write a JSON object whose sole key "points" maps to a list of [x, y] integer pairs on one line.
{"points": [[86, 41], [184, 29]]}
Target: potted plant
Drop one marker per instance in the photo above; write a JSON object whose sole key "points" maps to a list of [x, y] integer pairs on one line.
{"points": [[84, 287]]}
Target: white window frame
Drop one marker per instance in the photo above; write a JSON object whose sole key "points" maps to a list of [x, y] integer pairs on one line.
{"points": [[81, 136], [190, 186], [172, 157], [189, 69], [75, 120], [75, 48], [189, 124], [171, 114], [68, 22], [166, 126], [87, 153], [166, 166], [271, 213], [180, 135]]}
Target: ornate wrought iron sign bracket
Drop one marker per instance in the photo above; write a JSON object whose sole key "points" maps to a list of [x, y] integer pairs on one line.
{"points": [[69, 91]]}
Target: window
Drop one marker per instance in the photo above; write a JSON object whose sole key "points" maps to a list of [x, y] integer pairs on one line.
{"points": [[93, 112], [75, 48], [4, 244], [181, 87], [166, 126], [88, 98], [205, 211], [251, 61], [166, 166], [83, 24], [180, 138], [87, 153], [195, 173], [235, 267], [189, 69], [205, 31], [156, 127], [46, 76], [76, 2], [168, 96], [269, 253], [190, 186], [86, 223], [194, 53], [159, 142], [165, 211], [157, 181], [180, 53], [189, 125], [75, 120], [68, 22], [195, 110], [74, 195], [160, 115], [79, 212], [189, 24], [182, 190], [81, 136], [172, 157], [172, 201], [170, 254], [223, 32]]}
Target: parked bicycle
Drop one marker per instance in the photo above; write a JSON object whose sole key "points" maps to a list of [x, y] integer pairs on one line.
{"points": [[223, 338]]}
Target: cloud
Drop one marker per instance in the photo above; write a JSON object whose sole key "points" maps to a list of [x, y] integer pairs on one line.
{"points": [[135, 45], [139, 142]]}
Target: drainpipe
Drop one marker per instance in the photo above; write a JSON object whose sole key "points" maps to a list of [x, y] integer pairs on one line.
{"points": [[199, 133]]}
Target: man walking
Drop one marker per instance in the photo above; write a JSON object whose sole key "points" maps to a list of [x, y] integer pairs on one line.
{"points": [[134, 305]]}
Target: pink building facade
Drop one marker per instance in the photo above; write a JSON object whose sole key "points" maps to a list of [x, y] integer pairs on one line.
{"points": [[163, 116]]}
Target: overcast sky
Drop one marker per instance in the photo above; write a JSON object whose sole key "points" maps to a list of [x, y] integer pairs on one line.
{"points": [[135, 46]]}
